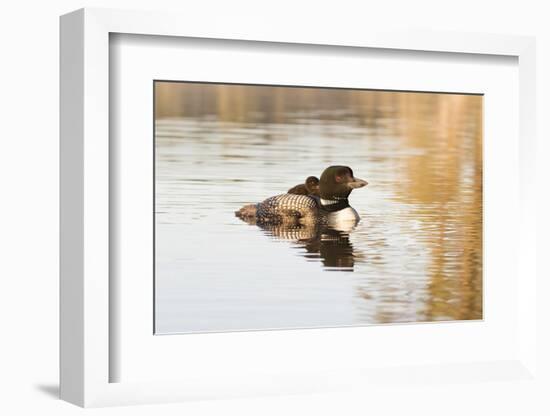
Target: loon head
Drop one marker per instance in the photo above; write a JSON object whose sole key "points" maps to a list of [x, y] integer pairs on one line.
{"points": [[312, 185], [337, 182]]}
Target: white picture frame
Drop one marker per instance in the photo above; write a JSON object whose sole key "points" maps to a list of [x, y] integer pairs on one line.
{"points": [[86, 333]]}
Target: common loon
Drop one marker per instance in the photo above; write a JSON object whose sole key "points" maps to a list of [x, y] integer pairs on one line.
{"points": [[331, 207], [309, 187]]}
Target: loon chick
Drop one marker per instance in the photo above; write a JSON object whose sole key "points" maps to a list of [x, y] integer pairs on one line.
{"points": [[309, 187], [331, 207]]}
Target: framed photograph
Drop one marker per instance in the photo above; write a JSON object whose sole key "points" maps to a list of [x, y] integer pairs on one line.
{"points": [[266, 213]]}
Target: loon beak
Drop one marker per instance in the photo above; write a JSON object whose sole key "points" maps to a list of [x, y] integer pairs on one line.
{"points": [[357, 183]]}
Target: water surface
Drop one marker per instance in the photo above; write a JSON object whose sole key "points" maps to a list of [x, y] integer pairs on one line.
{"points": [[415, 255]]}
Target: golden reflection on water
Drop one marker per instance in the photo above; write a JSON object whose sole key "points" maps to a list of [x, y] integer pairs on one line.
{"points": [[415, 256]]}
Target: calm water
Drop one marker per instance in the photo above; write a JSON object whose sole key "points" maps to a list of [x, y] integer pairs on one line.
{"points": [[415, 255]]}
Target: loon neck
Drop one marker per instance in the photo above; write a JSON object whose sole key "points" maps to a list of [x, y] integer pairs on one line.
{"points": [[334, 204]]}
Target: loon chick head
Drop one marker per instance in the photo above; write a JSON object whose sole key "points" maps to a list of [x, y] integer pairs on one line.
{"points": [[336, 184], [312, 185], [309, 187]]}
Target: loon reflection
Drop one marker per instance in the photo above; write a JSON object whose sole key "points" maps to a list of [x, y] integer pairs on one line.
{"points": [[330, 245]]}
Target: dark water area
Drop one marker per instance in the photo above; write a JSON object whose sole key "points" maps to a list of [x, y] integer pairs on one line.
{"points": [[415, 255]]}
